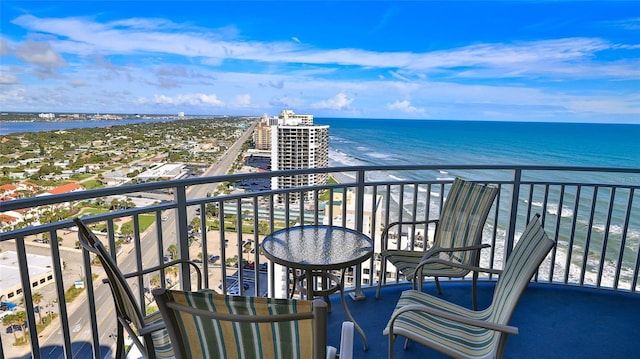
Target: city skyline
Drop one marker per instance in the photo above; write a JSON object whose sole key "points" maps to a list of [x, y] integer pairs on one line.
{"points": [[552, 61]]}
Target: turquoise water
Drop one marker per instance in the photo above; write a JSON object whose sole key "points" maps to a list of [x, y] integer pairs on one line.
{"points": [[367, 142]]}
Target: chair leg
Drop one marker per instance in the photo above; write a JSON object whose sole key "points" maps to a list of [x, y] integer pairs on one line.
{"points": [[120, 354], [406, 344], [392, 339], [438, 286], [383, 270], [295, 282], [474, 292]]}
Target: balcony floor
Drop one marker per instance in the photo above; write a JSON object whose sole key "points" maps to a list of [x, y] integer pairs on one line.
{"points": [[554, 322]]}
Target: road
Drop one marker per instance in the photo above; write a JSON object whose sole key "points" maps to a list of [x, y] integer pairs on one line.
{"points": [[78, 312]]}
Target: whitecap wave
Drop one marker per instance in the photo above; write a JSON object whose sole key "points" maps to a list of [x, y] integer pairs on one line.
{"points": [[379, 155]]}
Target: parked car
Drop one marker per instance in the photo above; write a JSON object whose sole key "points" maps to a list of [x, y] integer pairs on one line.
{"points": [[8, 306], [235, 289], [213, 258], [15, 327]]}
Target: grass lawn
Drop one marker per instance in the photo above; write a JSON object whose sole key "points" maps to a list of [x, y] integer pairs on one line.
{"points": [[92, 184], [146, 220], [92, 211]]}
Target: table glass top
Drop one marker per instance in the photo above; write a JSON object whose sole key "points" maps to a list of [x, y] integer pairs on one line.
{"points": [[317, 246]]}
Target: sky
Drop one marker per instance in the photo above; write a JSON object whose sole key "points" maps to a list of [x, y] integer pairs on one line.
{"points": [[552, 61]]}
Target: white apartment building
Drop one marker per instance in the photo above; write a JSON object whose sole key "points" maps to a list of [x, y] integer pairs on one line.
{"points": [[290, 117], [297, 143]]}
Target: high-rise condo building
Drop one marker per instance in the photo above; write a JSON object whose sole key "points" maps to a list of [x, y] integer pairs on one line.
{"points": [[297, 143], [262, 134]]}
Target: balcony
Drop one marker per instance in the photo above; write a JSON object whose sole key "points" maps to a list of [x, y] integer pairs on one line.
{"points": [[583, 302]]}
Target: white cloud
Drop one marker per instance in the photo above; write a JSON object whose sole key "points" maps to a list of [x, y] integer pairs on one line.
{"points": [[40, 54], [404, 106], [8, 79], [156, 56], [243, 100], [5, 49], [338, 102], [547, 57], [189, 99], [77, 83], [398, 76]]}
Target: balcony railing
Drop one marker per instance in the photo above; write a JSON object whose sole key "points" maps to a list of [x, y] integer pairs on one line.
{"points": [[592, 213]]}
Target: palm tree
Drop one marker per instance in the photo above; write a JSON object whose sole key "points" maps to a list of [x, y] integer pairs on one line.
{"points": [[21, 320], [173, 250], [195, 223], [154, 282], [10, 320], [37, 298], [173, 272]]}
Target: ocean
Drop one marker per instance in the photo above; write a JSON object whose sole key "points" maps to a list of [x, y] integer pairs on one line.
{"points": [[388, 142]]}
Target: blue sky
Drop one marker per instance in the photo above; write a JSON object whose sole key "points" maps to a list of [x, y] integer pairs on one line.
{"points": [[569, 61]]}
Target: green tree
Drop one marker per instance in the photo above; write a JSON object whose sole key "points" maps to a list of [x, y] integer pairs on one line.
{"points": [[172, 272], [195, 223], [173, 250], [11, 320], [155, 281], [211, 210]]}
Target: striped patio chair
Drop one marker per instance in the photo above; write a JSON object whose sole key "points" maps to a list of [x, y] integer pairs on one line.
{"points": [[457, 239], [147, 332], [207, 325], [464, 333]]}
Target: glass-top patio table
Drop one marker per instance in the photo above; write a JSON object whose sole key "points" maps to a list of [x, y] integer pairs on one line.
{"points": [[316, 250]]}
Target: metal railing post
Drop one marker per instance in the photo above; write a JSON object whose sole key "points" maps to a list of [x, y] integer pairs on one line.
{"points": [[182, 241], [360, 181], [513, 212]]}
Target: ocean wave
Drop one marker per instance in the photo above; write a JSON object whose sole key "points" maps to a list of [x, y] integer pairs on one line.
{"points": [[379, 155], [338, 158], [552, 209]]}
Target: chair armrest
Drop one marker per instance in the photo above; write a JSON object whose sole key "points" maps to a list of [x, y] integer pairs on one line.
{"points": [[418, 271], [385, 232], [428, 255], [436, 250], [151, 328], [451, 316]]}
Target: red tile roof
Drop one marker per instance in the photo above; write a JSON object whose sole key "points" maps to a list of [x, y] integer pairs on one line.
{"points": [[69, 187], [8, 187]]}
